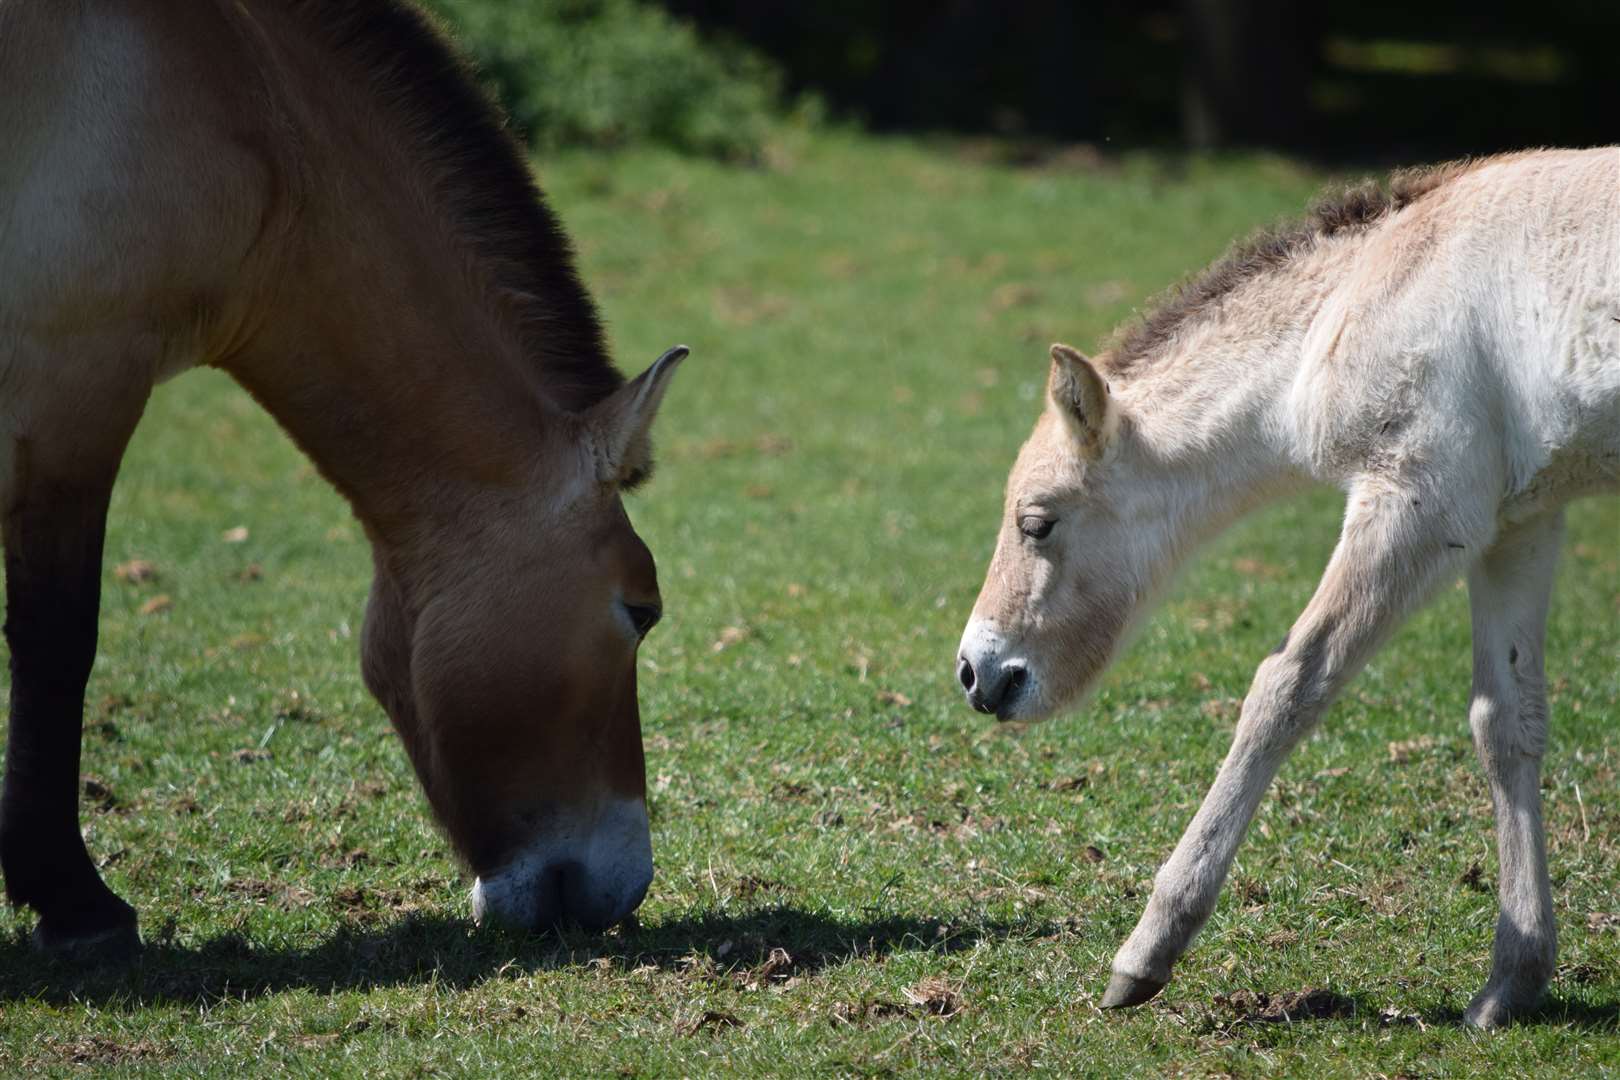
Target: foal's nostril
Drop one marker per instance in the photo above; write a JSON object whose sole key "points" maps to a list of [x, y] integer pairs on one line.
{"points": [[964, 673], [998, 688], [1015, 683]]}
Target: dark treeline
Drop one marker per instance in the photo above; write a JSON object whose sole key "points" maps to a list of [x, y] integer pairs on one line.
{"points": [[1405, 79]]}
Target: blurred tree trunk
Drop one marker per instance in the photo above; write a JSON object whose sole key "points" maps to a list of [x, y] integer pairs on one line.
{"points": [[1249, 67]]}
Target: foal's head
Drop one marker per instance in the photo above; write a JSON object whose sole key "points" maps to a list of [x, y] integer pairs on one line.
{"points": [[512, 676], [1073, 559]]}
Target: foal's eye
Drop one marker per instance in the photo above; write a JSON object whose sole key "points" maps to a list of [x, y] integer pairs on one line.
{"points": [[1035, 528], [644, 617]]}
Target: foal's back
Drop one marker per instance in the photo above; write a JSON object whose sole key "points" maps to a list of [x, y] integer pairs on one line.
{"points": [[1547, 310], [1487, 312]]}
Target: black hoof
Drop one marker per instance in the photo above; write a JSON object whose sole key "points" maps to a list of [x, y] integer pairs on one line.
{"points": [[1125, 991], [111, 939]]}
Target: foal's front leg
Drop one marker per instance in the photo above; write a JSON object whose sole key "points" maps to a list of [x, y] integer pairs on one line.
{"points": [[1391, 556], [1509, 591]]}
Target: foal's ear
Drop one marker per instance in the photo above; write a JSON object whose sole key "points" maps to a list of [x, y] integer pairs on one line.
{"points": [[1081, 397], [618, 427]]}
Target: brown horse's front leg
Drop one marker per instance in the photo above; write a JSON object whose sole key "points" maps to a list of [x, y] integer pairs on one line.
{"points": [[53, 542]]}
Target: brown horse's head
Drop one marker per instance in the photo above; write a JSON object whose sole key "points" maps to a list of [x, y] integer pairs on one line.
{"points": [[1073, 560], [509, 668]]}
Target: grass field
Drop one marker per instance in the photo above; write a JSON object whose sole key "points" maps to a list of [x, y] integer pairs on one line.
{"points": [[856, 874]]}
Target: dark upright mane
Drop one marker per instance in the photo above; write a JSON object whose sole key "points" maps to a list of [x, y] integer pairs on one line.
{"points": [[1354, 209], [486, 184]]}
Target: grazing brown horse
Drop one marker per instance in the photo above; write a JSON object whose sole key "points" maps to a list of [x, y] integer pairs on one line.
{"points": [[315, 198]]}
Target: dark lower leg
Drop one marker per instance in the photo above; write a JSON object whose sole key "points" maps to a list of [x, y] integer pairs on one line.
{"points": [[53, 545]]}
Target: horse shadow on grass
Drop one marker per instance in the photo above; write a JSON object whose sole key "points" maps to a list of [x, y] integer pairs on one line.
{"points": [[749, 948], [760, 945], [1247, 1012]]}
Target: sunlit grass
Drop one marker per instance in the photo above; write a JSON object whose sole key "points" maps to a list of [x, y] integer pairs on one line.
{"points": [[869, 323]]}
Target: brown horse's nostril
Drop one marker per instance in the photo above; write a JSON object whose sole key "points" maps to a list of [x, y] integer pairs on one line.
{"points": [[964, 673], [549, 901]]}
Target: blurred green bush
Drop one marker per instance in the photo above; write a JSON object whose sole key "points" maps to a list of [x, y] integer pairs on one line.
{"points": [[616, 72]]}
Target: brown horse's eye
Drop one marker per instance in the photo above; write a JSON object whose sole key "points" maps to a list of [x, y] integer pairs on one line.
{"points": [[644, 617], [1035, 528]]}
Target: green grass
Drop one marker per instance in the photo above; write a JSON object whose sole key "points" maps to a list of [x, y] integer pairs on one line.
{"points": [[869, 323]]}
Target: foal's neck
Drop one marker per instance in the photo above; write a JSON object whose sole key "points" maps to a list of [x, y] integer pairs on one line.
{"points": [[1208, 414]]}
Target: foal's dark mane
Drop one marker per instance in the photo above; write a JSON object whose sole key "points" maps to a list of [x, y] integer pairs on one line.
{"points": [[1354, 209], [485, 181]]}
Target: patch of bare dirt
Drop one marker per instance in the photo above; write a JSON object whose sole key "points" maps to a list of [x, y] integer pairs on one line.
{"points": [[729, 636], [1474, 878], [99, 1050], [1405, 750], [935, 996], [284, 895], [861, 1013], [101, 797], [930, 996], [766, 445], [748, 886], [345, 860], [741, 306], [1011, 295], [774, 973], [712, 1021], [1250, 891], [135, 572], [1285, 1008], [1256, 568]]}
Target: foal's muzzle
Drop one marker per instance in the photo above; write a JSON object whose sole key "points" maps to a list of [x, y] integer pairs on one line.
{"points": [[993, 681], [993, 692], [1003, 686]]}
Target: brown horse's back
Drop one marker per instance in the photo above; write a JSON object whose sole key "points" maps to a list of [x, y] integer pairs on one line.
{"points": [[134, 184]]}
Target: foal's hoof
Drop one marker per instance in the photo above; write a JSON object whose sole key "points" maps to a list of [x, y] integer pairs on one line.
{"points": [[1496, 1008], [1127, 990]]}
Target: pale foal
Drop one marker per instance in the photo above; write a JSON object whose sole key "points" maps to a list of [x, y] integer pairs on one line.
{"points": [[1448, 354]]}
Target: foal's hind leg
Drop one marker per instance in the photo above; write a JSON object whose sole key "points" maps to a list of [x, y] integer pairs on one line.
{"points": [[1395, 549], [1509, 590], [64, 455]]}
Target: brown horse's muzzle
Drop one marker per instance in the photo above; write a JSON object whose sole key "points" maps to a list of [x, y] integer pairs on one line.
{"points": [[591, 877]]}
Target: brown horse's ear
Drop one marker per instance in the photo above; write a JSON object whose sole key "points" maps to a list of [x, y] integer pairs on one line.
{"points": [[1081, 397], [618, 427]]}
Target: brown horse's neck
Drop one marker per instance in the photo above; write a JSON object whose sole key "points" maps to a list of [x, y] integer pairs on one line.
{"points": [[410, 411], [413, 291]]}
